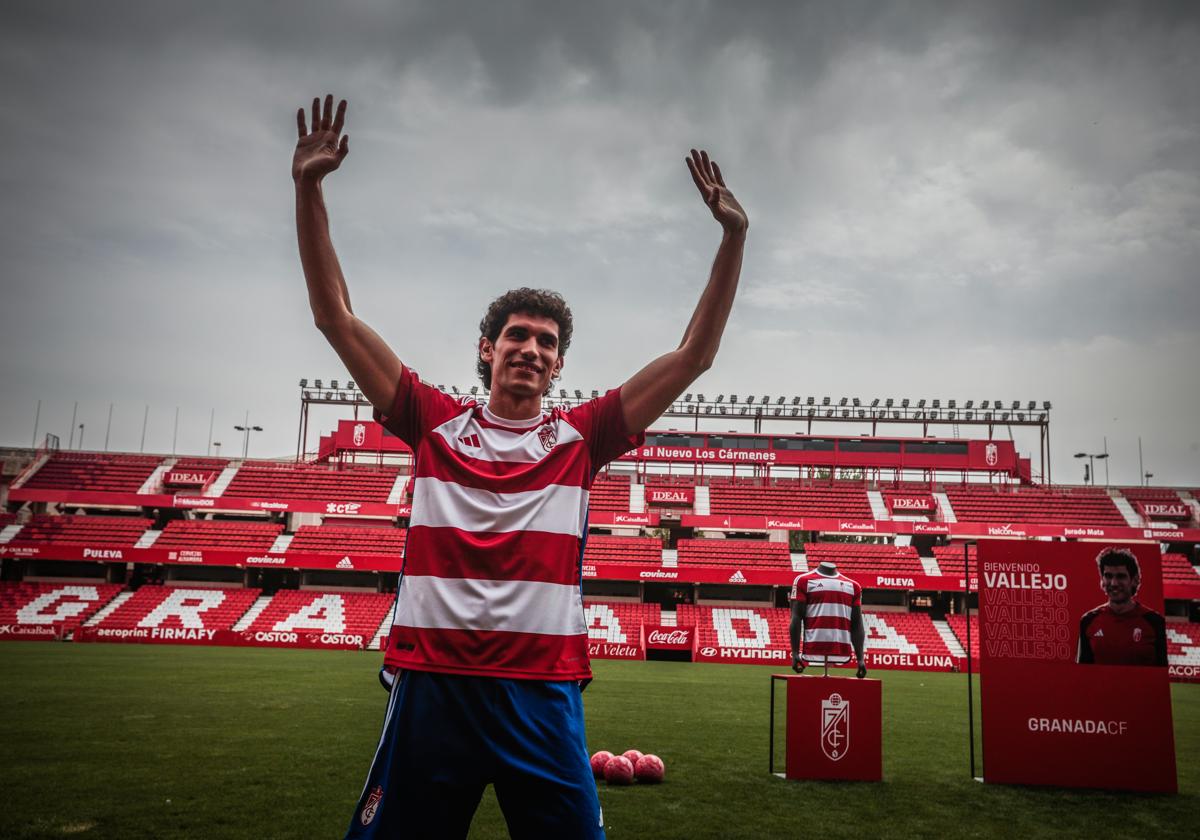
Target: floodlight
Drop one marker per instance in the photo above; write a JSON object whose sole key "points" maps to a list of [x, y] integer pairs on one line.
{"points": [[763, 401], [722, 409], [308, 395], [856, 402], [578, 394], [351, 386], [842, 401], [987, 415], [700, 398], [779, 401], [733, 399], [475, 390], [795, 411], [562, 393], [937, 403], [795, 401], [454, 388], [778, 411], [845, 412], [708, 409], [984, 405], [1030, 406], [952, 403], [744, 410], [829, 412], [824, 400], [1021, 416], [933, 415], [952, 414], [303, 383], [921, 403], [811, 412], [861, 413], [970, 415], [333, 384], [904, 403], [720, 397], [874, 402], [889, 402], [1005, 415], [595, 393], [970, 403], [1046, 405], [1015, 405], [809, 401], [317, 384]]}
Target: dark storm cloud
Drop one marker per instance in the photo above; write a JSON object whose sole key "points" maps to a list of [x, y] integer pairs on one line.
{"points": [[1016, 181]]}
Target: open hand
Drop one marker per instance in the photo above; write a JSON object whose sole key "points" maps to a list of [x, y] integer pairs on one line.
{"points": [[716, 195], [321, 149]]}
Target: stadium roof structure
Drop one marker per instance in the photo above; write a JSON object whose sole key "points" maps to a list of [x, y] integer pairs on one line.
{"points": [[928, 412]]}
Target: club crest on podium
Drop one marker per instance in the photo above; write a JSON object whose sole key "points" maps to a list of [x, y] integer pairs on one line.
{"points": [[835, 726]]}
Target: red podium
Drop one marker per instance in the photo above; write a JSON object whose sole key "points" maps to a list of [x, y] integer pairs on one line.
{"points": [[834, 728]]}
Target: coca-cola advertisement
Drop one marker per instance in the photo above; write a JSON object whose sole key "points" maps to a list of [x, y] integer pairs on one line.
{"points": [[659, 637]]}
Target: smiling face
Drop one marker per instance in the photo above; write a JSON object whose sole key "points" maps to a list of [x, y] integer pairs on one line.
{"points": [[525, 357], [1118, 584]]}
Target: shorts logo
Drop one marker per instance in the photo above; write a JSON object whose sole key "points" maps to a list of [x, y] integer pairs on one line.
{"points": [[548, 435], [372, 805], [835, 727]]}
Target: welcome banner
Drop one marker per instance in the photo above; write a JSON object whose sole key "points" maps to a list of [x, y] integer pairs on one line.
{"points": [[1058, 711]]}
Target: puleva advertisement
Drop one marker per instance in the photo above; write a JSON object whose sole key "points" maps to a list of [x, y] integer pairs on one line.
{"points": [[1073, 664]]}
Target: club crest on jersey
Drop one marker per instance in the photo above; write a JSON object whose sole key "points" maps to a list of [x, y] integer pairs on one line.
{"points": [[371, 806], [1137, 634], [835, 727], [548, 435]]}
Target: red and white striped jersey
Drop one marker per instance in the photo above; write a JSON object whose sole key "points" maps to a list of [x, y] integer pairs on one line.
{"points": [[829, 602], [492, 562]]}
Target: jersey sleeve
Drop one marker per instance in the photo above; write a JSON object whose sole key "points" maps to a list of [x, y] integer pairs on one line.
{"points": [[1085, 655], [416, 409], [1159, 624], [601, 423], [797, 593], [856, 600]]}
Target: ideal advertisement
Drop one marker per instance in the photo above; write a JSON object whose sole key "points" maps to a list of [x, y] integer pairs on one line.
{"points": [[1073, 663]]}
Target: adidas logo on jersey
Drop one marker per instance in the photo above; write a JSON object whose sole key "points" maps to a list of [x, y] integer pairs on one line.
{"points": [[345, 563], [737, 577], [1099, 634], [470, 440]]}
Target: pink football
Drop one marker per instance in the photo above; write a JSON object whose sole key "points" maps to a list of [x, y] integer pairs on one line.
{"points": [[618, 771], [649, 769], [633, 755], [599, 760]]}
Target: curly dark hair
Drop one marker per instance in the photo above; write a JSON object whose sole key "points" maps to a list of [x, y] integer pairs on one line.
{"points": [[541, 302], [1118, 557]]}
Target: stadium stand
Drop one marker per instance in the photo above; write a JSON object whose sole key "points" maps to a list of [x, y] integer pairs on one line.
{"points": [[789, 497], [904, 633], [601, 548], [618, 621], [610, 492], [866, 558], [233, 535], [1048, 505], [951, 557], [7, 519], [958, 626], [1177, 569], [274, 480], [722, 553], [348, 539], [1183, 643], [180, 607], [93, 471], [61, 605], [358, 613], [83, 530]]}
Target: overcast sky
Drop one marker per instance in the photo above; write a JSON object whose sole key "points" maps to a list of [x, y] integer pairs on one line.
{"points": [[983, 201]]}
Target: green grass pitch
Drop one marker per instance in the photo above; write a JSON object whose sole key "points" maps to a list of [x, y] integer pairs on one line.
{"points": [[136, 741]]}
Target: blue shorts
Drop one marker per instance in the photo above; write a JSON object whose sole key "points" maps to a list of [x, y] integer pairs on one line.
{"points": [[446, 737]]}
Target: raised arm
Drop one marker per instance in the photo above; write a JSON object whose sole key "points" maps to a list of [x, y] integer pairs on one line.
{"points": [[651, 390], [320, 150]]}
